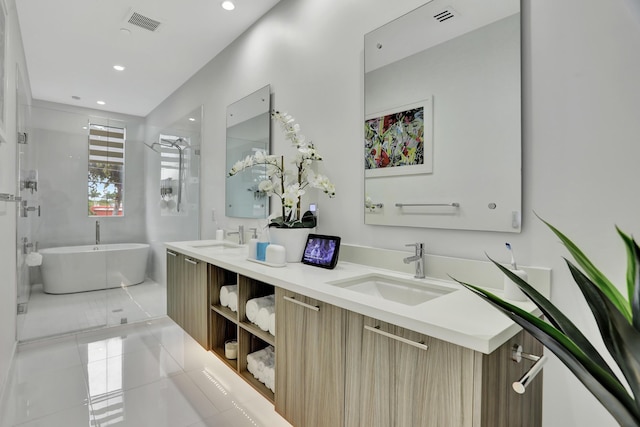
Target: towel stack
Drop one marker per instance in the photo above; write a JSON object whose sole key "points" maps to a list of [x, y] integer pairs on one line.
{"points": [[262, 364], [229, 297], [261, 311]]}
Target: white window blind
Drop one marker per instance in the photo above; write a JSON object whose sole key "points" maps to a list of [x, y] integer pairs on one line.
{"points": [[106, 170]]}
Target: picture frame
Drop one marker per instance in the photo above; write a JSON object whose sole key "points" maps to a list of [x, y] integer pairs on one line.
{"points": [[399, 141]]}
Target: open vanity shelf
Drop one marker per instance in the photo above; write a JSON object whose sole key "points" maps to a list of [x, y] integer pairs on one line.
{"points": [[225, 324]]}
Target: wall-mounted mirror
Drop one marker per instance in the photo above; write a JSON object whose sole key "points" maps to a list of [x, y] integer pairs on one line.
{"points": [[248, 131], [443, 117]]}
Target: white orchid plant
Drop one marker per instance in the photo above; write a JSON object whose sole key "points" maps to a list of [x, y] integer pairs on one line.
{"points": [[288, 184]]}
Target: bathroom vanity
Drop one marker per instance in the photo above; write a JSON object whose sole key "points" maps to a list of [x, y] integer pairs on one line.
{"points": [[435, 356]]}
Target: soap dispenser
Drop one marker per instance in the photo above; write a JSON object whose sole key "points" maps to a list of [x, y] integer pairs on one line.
{"points": [[263, 242], [253, 244]]}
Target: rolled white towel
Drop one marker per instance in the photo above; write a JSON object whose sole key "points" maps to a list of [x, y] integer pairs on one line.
{"points": [[270, 376], [224, 294], [233, 299], [272, 324], [263, 318], [258, 361], [255, 304], [33, 259]]}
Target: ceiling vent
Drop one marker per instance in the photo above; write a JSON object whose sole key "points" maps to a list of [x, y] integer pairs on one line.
{"points": [[142, 21], [445, 15]]}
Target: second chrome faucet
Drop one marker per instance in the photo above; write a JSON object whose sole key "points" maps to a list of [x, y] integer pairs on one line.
{"points": [[418, 258]]}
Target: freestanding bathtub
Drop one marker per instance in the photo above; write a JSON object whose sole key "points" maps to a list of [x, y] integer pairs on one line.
{"points": [[91, 267]]}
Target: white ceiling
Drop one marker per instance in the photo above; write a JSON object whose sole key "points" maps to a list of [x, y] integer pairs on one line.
{"points": [[71, 47]]}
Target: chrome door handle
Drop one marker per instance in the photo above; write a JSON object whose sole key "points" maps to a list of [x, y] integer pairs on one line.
{"points": [[377, 330], [305, 305]]}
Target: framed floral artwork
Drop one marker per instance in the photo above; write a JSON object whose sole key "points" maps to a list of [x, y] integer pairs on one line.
{"points": [[399, 141]]}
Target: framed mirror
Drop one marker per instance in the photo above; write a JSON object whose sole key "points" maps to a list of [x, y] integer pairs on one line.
{"points": [[248, 131], [442, 124]]}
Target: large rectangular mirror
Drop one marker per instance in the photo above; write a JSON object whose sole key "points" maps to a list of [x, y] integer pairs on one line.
{"points": [[443, 117], [248, 131]]}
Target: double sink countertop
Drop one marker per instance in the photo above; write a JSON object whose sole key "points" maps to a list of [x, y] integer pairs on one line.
{"points": [[456, 315]]}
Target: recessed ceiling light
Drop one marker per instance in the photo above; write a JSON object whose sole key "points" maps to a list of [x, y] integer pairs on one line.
{"points": [[228, 5], [101, 102], [125, 31], [191, 119], [118, 67]]}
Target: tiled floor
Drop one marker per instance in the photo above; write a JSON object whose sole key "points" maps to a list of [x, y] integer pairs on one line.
{"points": [[49, 315], [145, 374]]}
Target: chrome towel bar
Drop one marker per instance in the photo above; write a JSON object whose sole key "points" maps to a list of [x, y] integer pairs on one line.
{"points": [[517, 355], [6, 197], [453, 204]]}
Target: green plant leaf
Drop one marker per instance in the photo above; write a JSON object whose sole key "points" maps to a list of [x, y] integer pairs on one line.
{"points": [[557, 318], [621, 338], [635, 298], [596, 276], [606, 388], [632, 276]]}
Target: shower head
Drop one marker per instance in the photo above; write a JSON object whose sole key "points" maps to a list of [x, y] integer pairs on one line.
{"points": [[179, 143], [152, 146]]}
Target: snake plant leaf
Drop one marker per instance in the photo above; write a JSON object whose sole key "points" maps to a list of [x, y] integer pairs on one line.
{"points": [[557, 318], [635, 299], [621, 338], [606, 388], [633, 276], [596, 276]]}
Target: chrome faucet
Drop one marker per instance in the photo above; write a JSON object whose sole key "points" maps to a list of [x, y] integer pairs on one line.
{"points": [[97, 232], [418, 258], [240, 234]]}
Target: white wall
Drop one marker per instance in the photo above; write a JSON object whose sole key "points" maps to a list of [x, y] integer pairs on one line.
{"points": [[580, 131], [14, 59], [62, 156]]}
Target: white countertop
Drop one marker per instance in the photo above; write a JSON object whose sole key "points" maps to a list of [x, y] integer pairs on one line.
{"points": [[459, 317]]}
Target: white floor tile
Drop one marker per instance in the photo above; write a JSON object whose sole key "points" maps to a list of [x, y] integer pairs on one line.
{"points": [[132, 375], [171, 402], [130, 370], [106, 343], [45, 356], [47, 393], [48, 315], [76, 416]]}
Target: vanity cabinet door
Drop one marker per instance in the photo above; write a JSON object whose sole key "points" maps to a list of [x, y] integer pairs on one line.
{"points": [[310, 366], [175, 304], [187, 301], [431, 387], [195, 300], [401, 378]]}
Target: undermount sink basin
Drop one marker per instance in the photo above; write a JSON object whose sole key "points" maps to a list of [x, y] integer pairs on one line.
{"points": [[403, 291], [215, 244]]}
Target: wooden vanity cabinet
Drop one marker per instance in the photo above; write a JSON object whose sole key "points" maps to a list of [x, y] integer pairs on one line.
{"points": [[187, 295], [338, 368], [310, 364], [396, 377], [175, 304]]}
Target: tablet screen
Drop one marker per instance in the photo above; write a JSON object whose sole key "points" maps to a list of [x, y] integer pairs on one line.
{"points": [[321, 251]]}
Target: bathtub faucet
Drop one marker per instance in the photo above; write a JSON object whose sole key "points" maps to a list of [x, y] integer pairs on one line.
{"points": [[97, 232]]}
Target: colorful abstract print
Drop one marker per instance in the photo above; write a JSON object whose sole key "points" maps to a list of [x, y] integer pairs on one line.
{"points": [[394, 140]]}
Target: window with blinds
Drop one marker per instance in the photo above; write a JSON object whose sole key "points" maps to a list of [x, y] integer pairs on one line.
{"points": [[106, 170]]}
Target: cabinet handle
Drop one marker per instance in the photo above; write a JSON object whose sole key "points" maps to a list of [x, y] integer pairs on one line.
{"points": [[295, 301], [190, 261], [172, 253], [377, 330]]}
